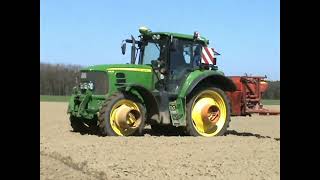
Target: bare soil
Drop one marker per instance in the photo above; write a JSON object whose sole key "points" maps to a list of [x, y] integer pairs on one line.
{"points": [[250, 150]]}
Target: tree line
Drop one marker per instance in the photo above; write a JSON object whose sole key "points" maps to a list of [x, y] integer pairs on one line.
{"points": [[59, 79], [273, 92]]}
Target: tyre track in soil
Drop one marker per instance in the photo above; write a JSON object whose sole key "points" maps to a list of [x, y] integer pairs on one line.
{"points": [[250, 150], [81, 167]]}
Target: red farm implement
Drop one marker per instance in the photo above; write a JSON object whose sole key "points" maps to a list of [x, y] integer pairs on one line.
{"points": [[246, 100]]}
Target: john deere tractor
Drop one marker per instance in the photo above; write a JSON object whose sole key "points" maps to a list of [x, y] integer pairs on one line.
{"points": [[165, 85]]}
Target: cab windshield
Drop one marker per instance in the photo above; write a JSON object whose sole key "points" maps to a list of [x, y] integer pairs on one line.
{"points": [[152, 50]]}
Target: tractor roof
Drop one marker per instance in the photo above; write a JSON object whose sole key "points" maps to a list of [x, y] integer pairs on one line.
{"points": [[180, 36], [147, 32]]}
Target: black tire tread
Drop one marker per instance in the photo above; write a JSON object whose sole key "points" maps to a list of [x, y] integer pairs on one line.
{"points": [[77, 125]]}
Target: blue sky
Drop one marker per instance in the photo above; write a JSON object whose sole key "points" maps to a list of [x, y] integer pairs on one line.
{"points": [[245, 32]]}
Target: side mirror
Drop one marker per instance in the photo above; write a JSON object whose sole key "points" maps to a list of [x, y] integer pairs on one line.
{"points": [[133, 50], [123, 47]]}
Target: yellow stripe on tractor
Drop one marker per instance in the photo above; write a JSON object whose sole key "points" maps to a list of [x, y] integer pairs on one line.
{"points": [[129, 69]]}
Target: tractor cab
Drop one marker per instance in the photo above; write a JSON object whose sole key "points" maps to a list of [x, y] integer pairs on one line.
{"points": [[172, 56]]}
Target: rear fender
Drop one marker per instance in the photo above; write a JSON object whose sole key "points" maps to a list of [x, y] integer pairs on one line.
{"points": [[214, 79]]}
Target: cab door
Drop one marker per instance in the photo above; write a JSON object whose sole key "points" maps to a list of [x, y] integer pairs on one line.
{"points": [[182, 61]]}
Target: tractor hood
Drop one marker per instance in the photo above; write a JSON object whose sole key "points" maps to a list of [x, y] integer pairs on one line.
{"points": [[123, 75], [119, 67]]}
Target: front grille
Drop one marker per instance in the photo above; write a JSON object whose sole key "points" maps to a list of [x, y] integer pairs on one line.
{"points": [[99, 80], [120, 79], [120, 75]]}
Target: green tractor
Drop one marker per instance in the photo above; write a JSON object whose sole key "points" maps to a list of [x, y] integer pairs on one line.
{"points": [[169, 83]]}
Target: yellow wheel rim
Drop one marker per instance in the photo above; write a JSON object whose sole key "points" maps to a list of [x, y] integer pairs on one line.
{"points": [[125, 117], [209, 113]]}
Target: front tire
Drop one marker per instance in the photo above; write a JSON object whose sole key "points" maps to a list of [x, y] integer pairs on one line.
{"points": [[122, 115], [208, 112], [77, 125]]}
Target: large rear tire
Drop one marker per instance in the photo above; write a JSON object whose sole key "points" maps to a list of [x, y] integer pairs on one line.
{"points": [[122, 115], [208, 112]]}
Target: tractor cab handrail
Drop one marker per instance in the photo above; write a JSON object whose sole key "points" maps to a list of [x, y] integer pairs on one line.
{"points": [[130, 41]]}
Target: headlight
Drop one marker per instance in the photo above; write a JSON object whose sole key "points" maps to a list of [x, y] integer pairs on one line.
{"points": [[87, 85]]}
